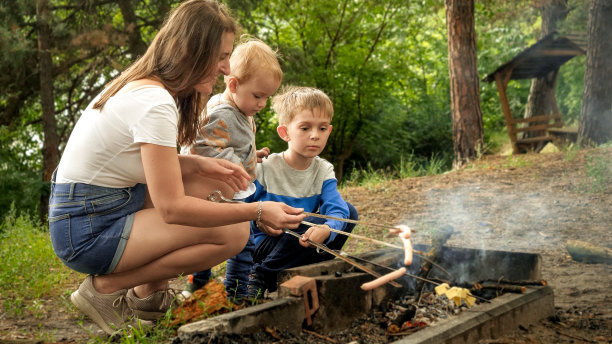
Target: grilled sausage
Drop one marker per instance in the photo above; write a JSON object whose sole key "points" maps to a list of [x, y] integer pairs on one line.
{"points": [[404, 232], [407, 250], [384, 279]]}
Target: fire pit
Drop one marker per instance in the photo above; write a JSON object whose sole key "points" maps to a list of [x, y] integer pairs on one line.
{"points": [[327, 297]]}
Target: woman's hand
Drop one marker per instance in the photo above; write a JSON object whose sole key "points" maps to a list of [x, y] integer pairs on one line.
{"points": [[276, 215], [317, 234], [233, 175], [262, 153]]}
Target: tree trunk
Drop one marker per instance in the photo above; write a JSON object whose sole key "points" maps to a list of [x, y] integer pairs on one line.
{"points": [[51, 140], [596, 112], [464, 83], [137, 46], [541, 100]]}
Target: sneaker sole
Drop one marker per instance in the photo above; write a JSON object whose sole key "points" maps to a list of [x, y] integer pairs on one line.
{"points": [[150, 316], [84, 306]]}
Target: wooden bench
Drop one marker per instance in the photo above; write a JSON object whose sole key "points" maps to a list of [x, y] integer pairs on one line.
{"points": [[541, 129], [564, 135], [536, 128]]}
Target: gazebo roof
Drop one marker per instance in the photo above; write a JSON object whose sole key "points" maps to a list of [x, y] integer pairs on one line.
{"points": [[546, 55]]}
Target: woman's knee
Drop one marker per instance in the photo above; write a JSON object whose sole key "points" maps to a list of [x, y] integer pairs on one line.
{"points": [[239, 241]]}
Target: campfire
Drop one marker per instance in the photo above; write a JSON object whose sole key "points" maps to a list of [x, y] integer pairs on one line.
{"points": [[445, 292]]}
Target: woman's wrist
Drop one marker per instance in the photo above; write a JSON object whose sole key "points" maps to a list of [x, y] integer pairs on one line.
{"points": [[259, 213]]}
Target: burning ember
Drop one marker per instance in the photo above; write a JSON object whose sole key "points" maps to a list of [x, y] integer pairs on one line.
{"points": [[404, 317]]}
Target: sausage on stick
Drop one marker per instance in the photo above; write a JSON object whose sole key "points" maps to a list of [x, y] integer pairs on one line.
{"points": [[404, 232], [384, 279]]}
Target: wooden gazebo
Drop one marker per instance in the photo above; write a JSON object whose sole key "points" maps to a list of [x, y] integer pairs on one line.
{"points": [[543, 57]]}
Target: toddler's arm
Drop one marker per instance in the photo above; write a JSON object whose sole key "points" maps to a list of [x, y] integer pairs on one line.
{"points": [[262, 154]]}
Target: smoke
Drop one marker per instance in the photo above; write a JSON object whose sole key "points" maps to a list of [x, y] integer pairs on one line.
{"points": [[493, 218]]}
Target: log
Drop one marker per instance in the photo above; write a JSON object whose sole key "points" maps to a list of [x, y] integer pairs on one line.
{"points": [[502, 287], [585, 252], [509, 282]]}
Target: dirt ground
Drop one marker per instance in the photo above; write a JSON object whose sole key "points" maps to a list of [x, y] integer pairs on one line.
{"points": [[528, 203]]}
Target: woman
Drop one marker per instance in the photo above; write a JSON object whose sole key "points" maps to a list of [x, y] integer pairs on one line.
{"points": [[119, 210]]}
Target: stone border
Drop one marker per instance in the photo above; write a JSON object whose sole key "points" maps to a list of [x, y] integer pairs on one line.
{"points": [[504, 315]]}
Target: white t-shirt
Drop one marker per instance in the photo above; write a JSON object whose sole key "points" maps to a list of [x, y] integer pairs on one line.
{"points": [[104, 147]]}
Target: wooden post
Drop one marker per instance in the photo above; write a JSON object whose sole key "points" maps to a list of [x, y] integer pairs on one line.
{"points": [[503, 98]]}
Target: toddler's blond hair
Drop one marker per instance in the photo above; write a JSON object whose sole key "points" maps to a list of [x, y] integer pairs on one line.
{"points": [[293, 99], [253, 55]]}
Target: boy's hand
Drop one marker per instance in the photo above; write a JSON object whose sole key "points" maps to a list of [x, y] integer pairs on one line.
{"points": [[317, 234], [262, 153]]}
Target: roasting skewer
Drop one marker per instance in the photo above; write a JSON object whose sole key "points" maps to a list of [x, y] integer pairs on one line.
{"points": [[352, 221], [407, 273], [335, 254], [422, 254], [217, 196], [357, 236]]}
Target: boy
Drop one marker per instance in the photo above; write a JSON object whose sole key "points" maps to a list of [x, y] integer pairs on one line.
{"points": [[300, 178], [229, 128]]}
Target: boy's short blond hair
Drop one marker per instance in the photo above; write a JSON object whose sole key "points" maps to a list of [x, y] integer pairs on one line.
{"points": [[253, 55], [293, 99]]}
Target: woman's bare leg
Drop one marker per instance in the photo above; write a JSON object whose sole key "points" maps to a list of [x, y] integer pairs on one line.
{"points": [[157, 251]]}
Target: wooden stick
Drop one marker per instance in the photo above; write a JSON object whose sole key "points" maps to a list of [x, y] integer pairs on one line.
{"points": [[505, 281], [502, 287], [351, 221], [420, 253], [355, 235], [338, 255], [331, 340], [575, 337]]}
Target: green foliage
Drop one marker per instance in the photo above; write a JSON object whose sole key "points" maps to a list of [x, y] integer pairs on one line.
{"points": [[568, 90], [507, 30], [21, 185], [90, 43], [29, 268], [383, 63]]}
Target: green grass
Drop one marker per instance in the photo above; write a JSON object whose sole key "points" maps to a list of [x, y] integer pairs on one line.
{"points": [[30, 269], [141, 334], [31, 274], [408, 167], [599, 173]]}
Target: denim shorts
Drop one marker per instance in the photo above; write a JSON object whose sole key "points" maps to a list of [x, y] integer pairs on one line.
{"points": [[90, 225]]}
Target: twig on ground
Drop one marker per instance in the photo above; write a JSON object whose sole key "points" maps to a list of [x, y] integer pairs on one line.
{"points": [[331, 340]]}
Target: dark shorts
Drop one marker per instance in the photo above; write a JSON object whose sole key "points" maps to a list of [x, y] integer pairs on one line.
{"points": [[90, 225]]}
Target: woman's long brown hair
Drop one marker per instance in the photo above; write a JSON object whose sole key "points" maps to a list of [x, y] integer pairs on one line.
{"points": [[184, 51]]}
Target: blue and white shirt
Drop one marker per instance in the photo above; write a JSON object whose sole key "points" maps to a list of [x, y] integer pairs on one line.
{"points": [[314, 189]]}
